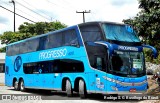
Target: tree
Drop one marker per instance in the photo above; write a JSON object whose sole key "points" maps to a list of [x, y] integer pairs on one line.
{"points": [[147, 24], [40, 27], [27, 30], [10, 37]]}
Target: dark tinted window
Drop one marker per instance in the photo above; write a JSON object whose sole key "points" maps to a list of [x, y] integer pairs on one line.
{"points": [[9, 49], [56, 66], [32, 45], [97, 56], [13, 49], [70, 37], [91, 33], [54, 40], [42, 42], [23, 47]]}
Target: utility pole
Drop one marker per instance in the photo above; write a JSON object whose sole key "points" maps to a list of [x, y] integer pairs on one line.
{"points": [[14, 14], [83, 14]]}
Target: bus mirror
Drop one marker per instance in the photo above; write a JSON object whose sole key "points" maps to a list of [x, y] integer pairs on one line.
{"points": [[154, 51]]}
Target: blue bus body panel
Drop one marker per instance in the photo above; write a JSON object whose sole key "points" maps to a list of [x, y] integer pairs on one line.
{"points": [[96, 81], [126, 83]]}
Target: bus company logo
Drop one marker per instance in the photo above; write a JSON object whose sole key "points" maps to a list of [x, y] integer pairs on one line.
{"points": [[53, 54], [17, 64], [127, 48]]}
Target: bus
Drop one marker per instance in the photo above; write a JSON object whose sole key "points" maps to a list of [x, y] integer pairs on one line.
{"points": [[92, 57]]}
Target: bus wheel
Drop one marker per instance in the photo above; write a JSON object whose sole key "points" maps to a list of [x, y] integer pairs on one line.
{"points": [[16, 86], [22, 87], [69, 88], [82, 89]]}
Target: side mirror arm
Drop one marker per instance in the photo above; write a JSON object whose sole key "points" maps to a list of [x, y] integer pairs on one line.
{"points": [[154, 51]]}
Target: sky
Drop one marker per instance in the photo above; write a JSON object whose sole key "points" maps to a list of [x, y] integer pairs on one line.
{"points": [[65, 11]]}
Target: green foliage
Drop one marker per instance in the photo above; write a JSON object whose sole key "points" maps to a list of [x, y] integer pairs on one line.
{"points": [[2, 49], [10, 37], [147, 25], [28, 30], [40, 27]]}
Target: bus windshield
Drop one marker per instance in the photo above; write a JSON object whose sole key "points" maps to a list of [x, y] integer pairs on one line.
{"points": [[128, 63], [120, 32]]}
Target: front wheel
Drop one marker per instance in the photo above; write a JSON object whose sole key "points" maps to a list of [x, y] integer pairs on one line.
{"points": [[82, 89], [22, 87], [69, 88]]}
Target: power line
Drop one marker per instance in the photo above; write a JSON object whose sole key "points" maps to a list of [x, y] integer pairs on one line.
{"points": [[83, 14], [20, 10], [17, 14], [36, 8], [60, 6], [68, 4], [32, 10]]}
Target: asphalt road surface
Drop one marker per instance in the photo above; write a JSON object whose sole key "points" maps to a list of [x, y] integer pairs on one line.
{"points": [[54, 97]]}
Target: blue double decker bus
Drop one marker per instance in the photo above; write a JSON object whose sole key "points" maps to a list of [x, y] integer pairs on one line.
{"points": [[93, 57]]}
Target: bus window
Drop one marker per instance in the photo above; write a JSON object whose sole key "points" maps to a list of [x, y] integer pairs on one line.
{"points": [[32, 45], [91, 33], [100, 63], [97, 52], [13, 49], [54, 40], [23, 47], [70, 38]]}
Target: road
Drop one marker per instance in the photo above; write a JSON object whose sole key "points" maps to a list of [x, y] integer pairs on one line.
{"points": [[56, 97]]}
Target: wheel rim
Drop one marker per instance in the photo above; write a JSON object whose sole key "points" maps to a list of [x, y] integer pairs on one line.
{"points": [[15, 85], [68, 86], [82, 86], [22, 85], [82, 89]]}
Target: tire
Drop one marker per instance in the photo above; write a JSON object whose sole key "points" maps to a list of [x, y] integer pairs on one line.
{"points": [[82, 89], [16, 86], [69, 90], [22, 87]]}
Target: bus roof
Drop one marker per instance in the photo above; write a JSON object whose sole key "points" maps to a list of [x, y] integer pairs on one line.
{"points": [[82, 24], [101, 22]]}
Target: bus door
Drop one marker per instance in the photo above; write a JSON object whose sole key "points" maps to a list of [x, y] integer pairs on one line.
{"points": [[46, 75], [7, 75], [51, 76], [97, 55], [9, 70], [100, 72], [48, 80], [57, 68]]}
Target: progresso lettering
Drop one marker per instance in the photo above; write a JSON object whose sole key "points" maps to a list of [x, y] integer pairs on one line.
{"points": [[127, 48], [53, 54]]}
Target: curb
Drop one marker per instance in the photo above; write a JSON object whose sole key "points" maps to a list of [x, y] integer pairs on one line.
{"points": [[1, 84]]}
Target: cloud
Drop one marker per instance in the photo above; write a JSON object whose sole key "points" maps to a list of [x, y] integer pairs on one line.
{"points": [[49, 15], [3, 20], [65, 11], [122, 2]]}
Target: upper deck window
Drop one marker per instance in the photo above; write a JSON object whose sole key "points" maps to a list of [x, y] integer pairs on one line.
{"points": [[54, 40], [120, 32], [91, 33]]}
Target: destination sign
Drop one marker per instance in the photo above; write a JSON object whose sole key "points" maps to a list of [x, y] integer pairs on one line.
{"points": [[127, 48]]}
